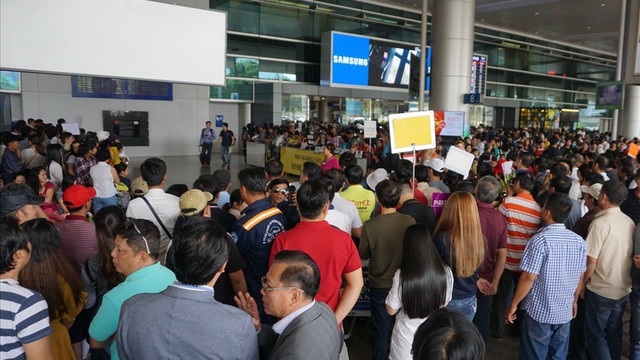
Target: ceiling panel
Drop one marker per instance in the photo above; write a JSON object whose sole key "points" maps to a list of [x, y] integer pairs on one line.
{"points": [[594, 24]]}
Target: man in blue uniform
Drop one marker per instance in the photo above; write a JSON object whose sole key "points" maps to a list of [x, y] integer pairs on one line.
{"points": [[255, 231]]}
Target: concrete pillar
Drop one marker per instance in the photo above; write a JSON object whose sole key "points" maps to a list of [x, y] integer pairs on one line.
{"points": [[324, 112], [452, 46], [630, 116]]}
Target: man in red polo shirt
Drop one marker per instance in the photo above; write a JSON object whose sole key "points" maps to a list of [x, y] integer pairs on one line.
{"points": [[332, 249]]}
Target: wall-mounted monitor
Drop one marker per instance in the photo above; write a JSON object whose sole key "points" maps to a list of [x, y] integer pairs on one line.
{"points": [[569, 115], [610, 95], [131, 126], [10, 81]]}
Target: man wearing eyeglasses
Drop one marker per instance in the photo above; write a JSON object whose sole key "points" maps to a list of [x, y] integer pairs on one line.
{"points": [[186, 313], [307, 328], [135, 255]]}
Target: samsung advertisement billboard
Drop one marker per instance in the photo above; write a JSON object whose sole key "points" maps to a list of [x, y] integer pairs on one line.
{"points": [[359, 61]]}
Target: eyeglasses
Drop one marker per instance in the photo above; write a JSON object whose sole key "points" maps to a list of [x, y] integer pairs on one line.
{"points": [[130, 223], [266, 287]]}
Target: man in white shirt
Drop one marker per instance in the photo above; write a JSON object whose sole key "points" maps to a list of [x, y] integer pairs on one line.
{"points": [[343, 205], [156, 206]]}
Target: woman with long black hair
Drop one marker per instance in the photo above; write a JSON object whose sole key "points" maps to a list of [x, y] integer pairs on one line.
{"points": [[51, 275], [422, 285]]}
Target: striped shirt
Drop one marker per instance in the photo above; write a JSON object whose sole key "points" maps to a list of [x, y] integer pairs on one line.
{"points": [[24, 318], [557, 256], [522, 213]]}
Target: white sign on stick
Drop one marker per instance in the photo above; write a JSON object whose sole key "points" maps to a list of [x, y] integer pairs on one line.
{"points": [[459, 161], [369, 129]]}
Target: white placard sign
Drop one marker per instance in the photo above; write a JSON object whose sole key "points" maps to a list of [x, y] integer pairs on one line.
{"points": [[507, 168], [370, 129], [73, 128], [459, 161]]}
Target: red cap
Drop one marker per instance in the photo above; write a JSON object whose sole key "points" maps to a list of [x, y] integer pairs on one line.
{"points": [[77, 195]]}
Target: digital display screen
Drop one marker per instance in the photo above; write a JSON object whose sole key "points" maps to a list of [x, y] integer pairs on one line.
{"points": [[362, 61], [609, 95], [367, 62], [478, 74], [9, 81]]}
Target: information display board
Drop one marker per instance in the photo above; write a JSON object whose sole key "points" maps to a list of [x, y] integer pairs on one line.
{"points": [[99, 87], [478, 74]]}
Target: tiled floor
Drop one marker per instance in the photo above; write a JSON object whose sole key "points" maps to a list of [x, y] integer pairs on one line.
{"points": [[184, 170]]}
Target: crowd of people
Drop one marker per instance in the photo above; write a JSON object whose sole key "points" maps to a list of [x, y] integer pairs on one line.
{"points": [[542, 231]]}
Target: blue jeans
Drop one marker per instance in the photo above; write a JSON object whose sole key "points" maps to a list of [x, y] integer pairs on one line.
{"points": [[604, 326], [466, 306], [380, 320], [99, 203], [543, 341], [482, 319], [225, 155], [634, 324]]}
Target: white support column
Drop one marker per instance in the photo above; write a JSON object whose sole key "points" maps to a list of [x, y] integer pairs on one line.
{"points": [[452, 45]]}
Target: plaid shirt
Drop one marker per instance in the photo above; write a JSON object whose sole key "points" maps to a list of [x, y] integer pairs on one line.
{"points": [[557, 256], [82, 170]]}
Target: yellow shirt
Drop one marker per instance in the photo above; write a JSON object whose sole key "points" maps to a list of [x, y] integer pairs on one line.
{"points": [[365, 200]]}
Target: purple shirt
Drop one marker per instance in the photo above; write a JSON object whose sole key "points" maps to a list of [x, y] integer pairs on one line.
{"points": [[494, 230]]}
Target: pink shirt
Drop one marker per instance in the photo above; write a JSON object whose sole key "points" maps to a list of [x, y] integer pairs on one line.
{"points": [[331, 163]]}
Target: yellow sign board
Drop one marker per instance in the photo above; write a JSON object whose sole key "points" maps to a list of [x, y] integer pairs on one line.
{"points": [[412, 129], [292, 159]]}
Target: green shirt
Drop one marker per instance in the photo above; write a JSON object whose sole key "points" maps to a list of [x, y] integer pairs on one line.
{"points": [[381, 243], [149, 279]]}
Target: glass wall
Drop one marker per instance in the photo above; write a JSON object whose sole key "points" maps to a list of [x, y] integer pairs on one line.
{"points": [[279, 40]]}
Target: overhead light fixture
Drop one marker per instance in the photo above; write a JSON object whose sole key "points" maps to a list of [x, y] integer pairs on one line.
{"points": [[589, 27], [536, 13], [570, 110], [510, 44], [603, 4]]}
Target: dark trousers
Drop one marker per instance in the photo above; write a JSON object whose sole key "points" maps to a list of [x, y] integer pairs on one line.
{"points": [[577, 341], [380, 320], [205, 155], [501, 299], [482, 319]]}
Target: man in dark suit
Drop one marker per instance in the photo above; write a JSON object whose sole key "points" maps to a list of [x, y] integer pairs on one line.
{"points": [[307, 329], [172, 322]]}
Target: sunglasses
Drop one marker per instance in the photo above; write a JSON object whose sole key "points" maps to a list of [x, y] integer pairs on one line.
{"points": [[129, 224], [284, 191]]}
